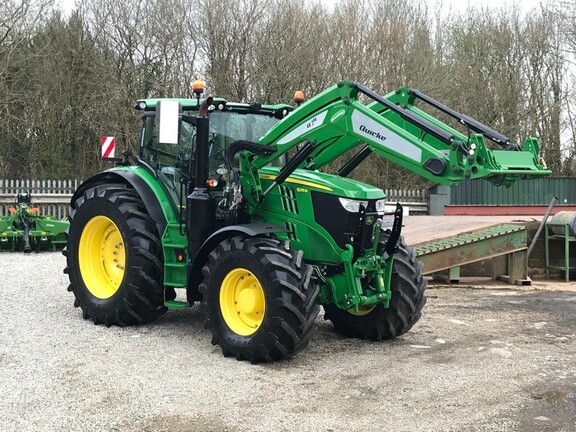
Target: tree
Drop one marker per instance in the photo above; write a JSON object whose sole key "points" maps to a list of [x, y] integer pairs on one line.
{"points": [[66, 82]]}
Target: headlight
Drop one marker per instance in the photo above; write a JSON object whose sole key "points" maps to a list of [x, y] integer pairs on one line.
{"points": [[381, 206], [353, 206]]}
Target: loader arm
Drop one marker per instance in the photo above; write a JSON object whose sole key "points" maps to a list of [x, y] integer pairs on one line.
{"points": [[391, 126]]}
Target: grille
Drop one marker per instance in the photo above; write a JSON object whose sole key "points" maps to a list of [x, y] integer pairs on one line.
{"points": [[288, 198], [291, 230]]}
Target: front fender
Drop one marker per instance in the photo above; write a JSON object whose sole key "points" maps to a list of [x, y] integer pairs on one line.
{"points": [[212, 242]]}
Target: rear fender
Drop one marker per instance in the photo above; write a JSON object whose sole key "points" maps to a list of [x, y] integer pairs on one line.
{"points": [[201, 258], [131, 178]]}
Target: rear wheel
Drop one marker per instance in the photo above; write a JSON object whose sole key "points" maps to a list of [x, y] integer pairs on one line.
{"points": [[377, 322], [258, 300], [114, 257]]}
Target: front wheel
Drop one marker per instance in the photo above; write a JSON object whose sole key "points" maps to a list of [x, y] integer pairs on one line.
{"points": [[377, 322], [259, 303]]}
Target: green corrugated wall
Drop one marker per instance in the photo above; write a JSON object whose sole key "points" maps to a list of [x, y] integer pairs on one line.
{"points": [[522, 192]]}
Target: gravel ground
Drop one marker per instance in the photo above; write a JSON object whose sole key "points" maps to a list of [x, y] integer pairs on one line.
{"points": [[479, 360]]}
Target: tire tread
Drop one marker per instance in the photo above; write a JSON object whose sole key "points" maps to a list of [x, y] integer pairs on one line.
{"points": [[143, 299], [292, 310], [405, 308]]}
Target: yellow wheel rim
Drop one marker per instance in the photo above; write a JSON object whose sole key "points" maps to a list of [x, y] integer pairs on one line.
{"points": [[101, 257], [242, 302], [362, 310]]}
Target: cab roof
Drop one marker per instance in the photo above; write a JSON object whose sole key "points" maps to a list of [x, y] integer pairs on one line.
{"points": [[278, 110]]}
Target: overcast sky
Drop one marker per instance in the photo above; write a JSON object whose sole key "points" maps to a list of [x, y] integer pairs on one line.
{"points": [[456, 5], [525, 5]]}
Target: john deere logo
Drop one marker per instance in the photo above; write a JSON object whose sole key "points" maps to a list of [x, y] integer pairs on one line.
{"points": [[369, 220]]}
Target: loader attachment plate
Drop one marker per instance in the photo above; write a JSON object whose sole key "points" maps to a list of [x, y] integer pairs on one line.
{"points": [[517, 162]]}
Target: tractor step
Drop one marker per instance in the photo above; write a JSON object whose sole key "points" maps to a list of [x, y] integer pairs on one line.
{"points": [[176, 304]]}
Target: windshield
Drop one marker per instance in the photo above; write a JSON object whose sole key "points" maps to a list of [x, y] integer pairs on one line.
{"points": [[173, 163], [225, 128]]}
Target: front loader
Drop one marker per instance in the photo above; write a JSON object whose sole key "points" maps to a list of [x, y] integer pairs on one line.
{"points": [[229, 203]]}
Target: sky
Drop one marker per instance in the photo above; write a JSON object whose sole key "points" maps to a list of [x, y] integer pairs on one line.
{"points": [[460, 5], [456, 5]]}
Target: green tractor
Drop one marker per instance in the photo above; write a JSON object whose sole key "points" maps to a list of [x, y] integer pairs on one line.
{"points": [[227, 201]]}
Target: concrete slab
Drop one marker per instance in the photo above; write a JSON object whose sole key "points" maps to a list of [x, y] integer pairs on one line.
{"points": [[477, 282], [421, 229]]}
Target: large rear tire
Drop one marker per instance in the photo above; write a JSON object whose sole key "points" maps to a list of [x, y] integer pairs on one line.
{"points": [[114, 257], [259, 303], [378, 323]]}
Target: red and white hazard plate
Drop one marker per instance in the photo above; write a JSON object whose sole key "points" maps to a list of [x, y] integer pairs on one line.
{"points": [[108, 143]]}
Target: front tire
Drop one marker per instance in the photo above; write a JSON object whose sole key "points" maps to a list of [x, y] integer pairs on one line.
{"points": [[114, 257], [378, 323], [259, 303]]}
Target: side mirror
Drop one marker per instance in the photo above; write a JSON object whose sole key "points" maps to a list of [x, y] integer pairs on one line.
{"points": [[168, 121]]}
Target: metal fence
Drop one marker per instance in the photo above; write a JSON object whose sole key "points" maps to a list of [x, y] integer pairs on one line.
{"points": [[523, 192], [415, 199], [52, 197]]}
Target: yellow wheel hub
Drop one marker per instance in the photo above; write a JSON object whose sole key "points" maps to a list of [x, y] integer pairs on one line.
{"points": [[101, 257], [362, 310], [242, 302]]}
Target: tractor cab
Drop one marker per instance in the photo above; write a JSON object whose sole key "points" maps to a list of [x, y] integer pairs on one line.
{"points": [[175, 163]]}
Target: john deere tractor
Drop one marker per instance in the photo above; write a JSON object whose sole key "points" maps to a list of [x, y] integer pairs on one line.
{"points": [[228, 204]]}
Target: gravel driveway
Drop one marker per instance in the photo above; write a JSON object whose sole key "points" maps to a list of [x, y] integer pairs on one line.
{"points": [[479, 360]]}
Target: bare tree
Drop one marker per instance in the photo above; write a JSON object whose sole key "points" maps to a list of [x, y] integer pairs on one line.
{"points": [[65, 82]]}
